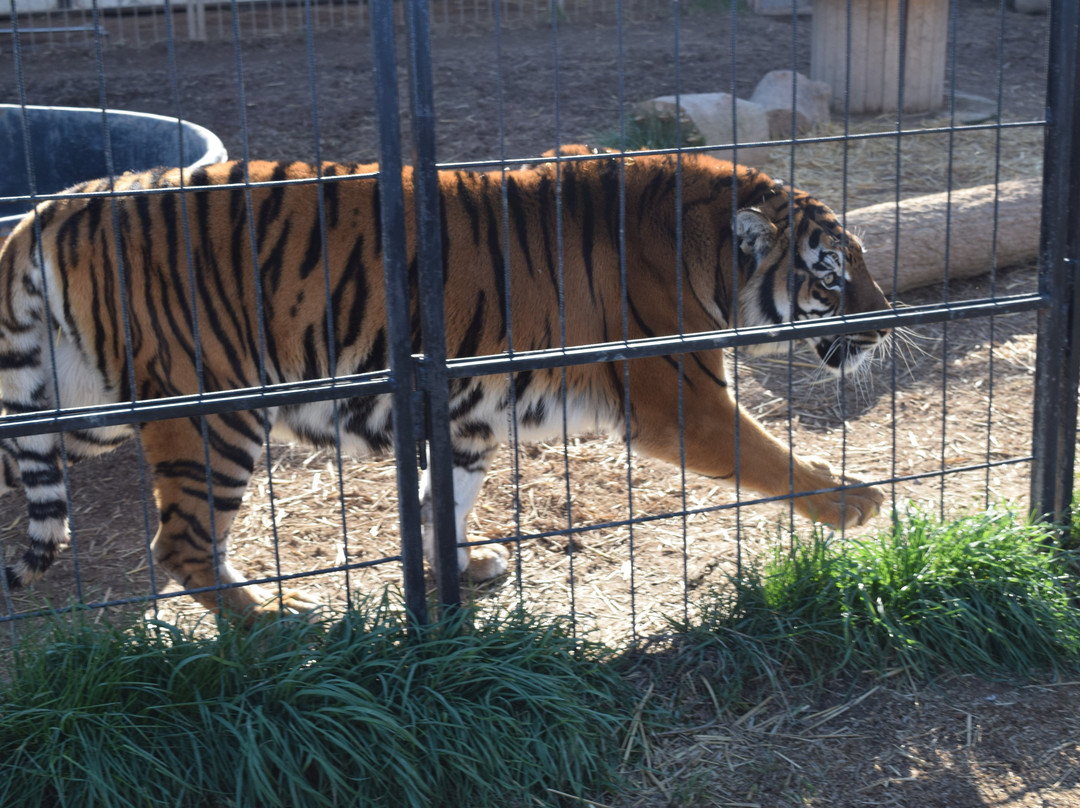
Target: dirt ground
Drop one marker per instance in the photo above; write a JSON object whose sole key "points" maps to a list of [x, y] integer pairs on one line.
{"points": [[949, 399]]}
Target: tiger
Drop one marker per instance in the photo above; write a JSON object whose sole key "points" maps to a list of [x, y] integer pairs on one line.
{"points": [[697, 244]]}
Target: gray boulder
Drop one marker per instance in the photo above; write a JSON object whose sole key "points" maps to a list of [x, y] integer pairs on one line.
{"points": [[712, 119], [811, 100]]}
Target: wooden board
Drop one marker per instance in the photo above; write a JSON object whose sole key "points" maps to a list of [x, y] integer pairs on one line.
{"points": [[867, 36]]}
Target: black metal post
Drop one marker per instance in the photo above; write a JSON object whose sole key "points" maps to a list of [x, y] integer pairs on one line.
{"points": [[1057, 372], [395, 273], [433, 379]]}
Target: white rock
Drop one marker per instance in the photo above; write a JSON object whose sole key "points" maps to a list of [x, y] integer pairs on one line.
{"points": [[774, 94], [711, 115]]}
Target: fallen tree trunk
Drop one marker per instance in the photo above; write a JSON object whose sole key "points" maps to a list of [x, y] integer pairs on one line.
{"points": [[971, 241]]}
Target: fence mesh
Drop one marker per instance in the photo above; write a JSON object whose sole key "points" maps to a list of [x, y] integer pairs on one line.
{"points": [[946, 200]]}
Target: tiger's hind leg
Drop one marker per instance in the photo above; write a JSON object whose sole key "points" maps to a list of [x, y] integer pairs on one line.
{"points": [[480, 563], [9, 472], [192, 541], [41, 474], [35, 463]]}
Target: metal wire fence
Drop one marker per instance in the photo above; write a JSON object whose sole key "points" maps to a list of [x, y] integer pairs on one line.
{"points": [[59, 23], [965, 405]]}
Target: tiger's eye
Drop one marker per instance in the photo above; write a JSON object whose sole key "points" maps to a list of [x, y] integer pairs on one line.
{"points": [[829, 279]]}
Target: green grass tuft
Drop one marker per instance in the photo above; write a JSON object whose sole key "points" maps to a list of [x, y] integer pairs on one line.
{"points": [[511, 709], [363, 711], [984, 594], [648, 132]]}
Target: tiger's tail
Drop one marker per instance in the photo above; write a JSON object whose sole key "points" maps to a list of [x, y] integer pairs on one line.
{"points": [[27, 385]]}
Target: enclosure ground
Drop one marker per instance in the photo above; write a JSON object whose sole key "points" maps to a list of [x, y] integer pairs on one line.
{"points": [[961, 742], [955, 396]]}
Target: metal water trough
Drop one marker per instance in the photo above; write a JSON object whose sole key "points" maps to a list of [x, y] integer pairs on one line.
{"points": [[67, 146]]}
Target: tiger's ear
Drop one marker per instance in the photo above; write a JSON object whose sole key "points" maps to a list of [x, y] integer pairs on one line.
{"points": [[755, 233]]}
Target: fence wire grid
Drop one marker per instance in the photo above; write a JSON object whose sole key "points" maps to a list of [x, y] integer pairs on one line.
{"points": [[972, 403]]}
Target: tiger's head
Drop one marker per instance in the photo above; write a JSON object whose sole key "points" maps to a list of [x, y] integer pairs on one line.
{"points": [[822, 275]]}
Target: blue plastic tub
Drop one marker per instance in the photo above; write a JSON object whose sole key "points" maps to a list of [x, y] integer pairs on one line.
{"points": [[67, 146]]}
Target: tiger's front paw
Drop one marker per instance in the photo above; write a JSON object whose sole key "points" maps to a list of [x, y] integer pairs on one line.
{"points": [[251, 604], [292, 601], [486, 562], [852, 507]]}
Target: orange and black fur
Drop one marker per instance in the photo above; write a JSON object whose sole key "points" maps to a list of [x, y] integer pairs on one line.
{"points": [[60, 284]]}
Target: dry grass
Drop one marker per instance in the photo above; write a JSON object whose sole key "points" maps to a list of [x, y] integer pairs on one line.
{"points": [[962, 742]]}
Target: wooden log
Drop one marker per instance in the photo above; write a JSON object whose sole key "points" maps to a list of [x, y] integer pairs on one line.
{"points": [[920, 256]]}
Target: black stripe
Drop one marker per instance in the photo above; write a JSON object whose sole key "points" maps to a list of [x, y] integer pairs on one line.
{"points": [[196, 471], [331, 194], [471, 430], [648, 332], [588, 236], [194, 526], [270, 208], [658, 185], [376, 215], [515, 206], [240, 422], [535, 414], [217, 301], [13, 581], [498, 270], [17, 407], [545, 194], [229, 451], [522, 381], [32, 478], [467, 401], [220, 504], [176, 254], [96, 302], [470, 461], [712, 376], [444, 233], [609, 191], [472, 213], [313, 252], [272, 263], [569, 191], [358, 424], [198, 176], [12, 360], [354, 277], [471, 341], [237, 249], [47, 510], [91, 437], [376, 358], [766, 298], [311, 354]]}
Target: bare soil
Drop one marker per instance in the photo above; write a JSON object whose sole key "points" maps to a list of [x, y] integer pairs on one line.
{"points": [[951, 398]]}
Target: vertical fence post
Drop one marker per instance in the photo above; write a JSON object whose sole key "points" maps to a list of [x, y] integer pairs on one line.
{"points": [[433, 380], [1057, 371], [396, 277], [196, 20]]}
